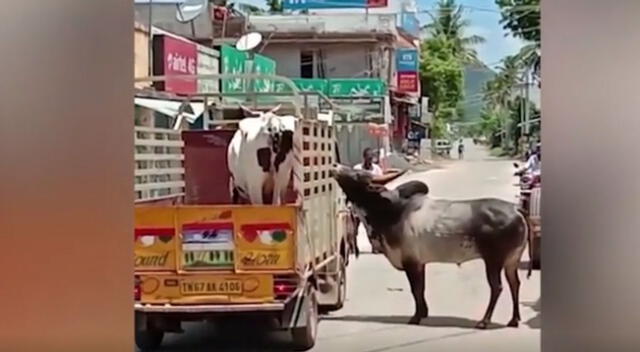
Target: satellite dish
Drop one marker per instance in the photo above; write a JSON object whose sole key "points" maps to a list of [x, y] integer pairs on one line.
{"points": [[190, 9], [249, 41]]}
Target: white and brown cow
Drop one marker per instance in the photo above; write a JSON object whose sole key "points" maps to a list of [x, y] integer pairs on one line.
{"points": [[413, 229], [260, 157]]}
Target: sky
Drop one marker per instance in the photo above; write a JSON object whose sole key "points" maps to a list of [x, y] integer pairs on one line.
{"points": [[484, 16]]}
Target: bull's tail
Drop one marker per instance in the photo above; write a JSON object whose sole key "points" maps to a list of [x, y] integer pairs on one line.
{"points": [[529, 229]]}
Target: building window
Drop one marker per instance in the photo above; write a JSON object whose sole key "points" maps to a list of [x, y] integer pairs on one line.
{"points": [[306, 64]]}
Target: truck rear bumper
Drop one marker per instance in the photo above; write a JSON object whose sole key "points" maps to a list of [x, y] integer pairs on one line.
{"points": [[217, 308]]}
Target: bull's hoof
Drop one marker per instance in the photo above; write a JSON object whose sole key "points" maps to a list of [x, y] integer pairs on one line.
{"points": [[513, 323], [482, 325], [415, 320]]}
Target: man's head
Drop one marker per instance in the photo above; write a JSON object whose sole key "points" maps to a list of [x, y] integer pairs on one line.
{"points": [[368, 155]]}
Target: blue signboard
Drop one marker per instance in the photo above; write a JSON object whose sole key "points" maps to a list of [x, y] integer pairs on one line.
{"points": [[406, 60], [323, 4], [410, 24]]}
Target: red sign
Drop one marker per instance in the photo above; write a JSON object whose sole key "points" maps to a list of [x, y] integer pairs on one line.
{"points": [[172, 56], [408, 82], [377, 3], [377, 130]]}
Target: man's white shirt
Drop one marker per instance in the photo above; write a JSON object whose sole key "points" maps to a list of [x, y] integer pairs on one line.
{"points": [[375, 169]]}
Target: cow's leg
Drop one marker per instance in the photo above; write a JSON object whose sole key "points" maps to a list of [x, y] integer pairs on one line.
{"points": [[511, 272], [354, 235], [255, 193], [235, 197], [415, 273], [493, 268]]}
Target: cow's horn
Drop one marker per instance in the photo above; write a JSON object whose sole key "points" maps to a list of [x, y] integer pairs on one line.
{"points": [[247, 110], [276, 108]]}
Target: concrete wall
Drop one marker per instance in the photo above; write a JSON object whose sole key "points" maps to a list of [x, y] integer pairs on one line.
{"points": [[287, 57], [352, 140], [141, 54], [340, 60]]}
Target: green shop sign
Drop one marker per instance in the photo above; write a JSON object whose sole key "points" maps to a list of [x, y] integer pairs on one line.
{"points": [[236, 62], [267, 66], [351, 88], [339, 88], [305, 85], [233, 61]]}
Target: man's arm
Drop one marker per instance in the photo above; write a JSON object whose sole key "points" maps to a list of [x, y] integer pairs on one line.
{"points": [[387, 177]]}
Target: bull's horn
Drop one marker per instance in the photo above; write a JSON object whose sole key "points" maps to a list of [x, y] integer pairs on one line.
{"points": [[276, 108], [248, 111]]}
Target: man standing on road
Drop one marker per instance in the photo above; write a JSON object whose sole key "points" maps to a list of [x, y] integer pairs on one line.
{"points": [[460, 149], [378, 176]]}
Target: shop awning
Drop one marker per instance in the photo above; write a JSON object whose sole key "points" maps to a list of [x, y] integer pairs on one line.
{"points": [[190, 111], [406, 98]]}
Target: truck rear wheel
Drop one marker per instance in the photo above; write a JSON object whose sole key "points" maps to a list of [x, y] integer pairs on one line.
{"points": [[147, 337], [341, 288], [304, 338]]}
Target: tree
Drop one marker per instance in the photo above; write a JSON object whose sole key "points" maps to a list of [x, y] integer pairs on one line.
{"points": [[498, 96], [522, 19], [441, 73], [275, 6], [448, 21]]}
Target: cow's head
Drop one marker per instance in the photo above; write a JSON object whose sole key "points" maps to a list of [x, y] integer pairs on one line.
{"points": [[360, 190], [279, 129]]}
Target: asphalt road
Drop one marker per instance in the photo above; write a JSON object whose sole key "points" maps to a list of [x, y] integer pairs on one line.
{"points": [[379, 301]]}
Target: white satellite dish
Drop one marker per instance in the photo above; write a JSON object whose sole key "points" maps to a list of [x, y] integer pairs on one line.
{"points": [[249, 41], [190, 9]]}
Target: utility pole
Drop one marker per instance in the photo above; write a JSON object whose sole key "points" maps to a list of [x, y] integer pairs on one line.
{"points": [[150, 49], [526, 101]]}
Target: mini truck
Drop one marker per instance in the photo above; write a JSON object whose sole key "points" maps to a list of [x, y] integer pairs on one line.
{"points": [[199, 259]]}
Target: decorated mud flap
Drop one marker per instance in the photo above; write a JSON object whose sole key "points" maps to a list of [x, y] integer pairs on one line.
{"points": [[304, 323]]}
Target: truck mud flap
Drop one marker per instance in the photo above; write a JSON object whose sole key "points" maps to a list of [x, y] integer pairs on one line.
{"points": [[295, 312]]}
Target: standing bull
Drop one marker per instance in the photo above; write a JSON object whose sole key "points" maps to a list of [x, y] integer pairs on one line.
{"points": [[260, 157], [413, 229]]}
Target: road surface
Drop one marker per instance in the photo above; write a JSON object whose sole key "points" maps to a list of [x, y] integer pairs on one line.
{"points": [[379, 302]]}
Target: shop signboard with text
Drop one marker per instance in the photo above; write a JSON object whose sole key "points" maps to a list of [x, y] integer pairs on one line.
{"points": [[407, 60], [173, 56], [266, 66], [208, 63], [408, 82], [365, 87], [407, 78], [233, 62], [333, 4]]}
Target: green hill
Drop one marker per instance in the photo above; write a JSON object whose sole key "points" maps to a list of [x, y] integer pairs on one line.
{"points": [[475, 78]]}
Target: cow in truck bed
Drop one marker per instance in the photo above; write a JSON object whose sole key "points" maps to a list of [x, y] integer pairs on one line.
{"points": [[260, 157]]}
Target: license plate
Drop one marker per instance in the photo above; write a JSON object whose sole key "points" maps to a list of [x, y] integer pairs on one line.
{"points": [[217, 287]]}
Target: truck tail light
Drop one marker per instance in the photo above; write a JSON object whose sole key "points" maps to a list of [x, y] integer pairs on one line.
{"points": [[284, 286]]}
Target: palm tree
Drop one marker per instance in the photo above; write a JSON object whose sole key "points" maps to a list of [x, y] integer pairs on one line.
{"points": [[529, 59], [448, 21], [498, 93], [275, 6]]}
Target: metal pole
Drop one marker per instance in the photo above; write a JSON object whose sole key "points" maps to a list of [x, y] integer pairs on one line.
{"points": [[211, 22], [526, 102], [205, 114], [150, 38]]}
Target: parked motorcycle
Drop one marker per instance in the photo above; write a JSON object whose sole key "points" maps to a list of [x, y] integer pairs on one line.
{"points": [[530, 192]]}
